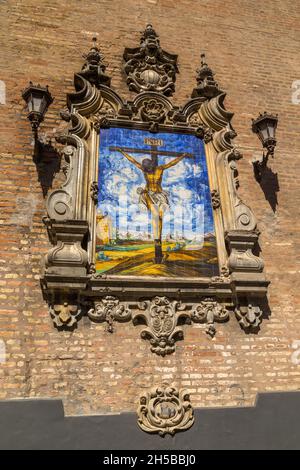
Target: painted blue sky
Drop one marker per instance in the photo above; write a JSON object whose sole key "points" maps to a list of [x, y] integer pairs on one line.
{"points": [[190, 213]]}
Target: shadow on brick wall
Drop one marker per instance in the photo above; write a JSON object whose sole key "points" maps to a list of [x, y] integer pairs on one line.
{"points": [[270, 186], [47, 161]]}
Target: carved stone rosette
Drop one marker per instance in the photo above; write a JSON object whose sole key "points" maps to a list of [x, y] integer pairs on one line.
{"points": [[154, 112], [161, 316], [109, 309], [165, 410], [70, 276]]}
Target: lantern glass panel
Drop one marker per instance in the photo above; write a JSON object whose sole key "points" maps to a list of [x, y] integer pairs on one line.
{"points": [[37, 101], [264, 131], [271, 129], [44, 105], [30, 103]]}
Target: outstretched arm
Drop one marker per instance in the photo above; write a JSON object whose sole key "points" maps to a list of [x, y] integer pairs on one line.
{"points": [[130, 158], [175, 161]]}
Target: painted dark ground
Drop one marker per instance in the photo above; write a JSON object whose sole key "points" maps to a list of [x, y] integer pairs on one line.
{"points": [[274, 423]]}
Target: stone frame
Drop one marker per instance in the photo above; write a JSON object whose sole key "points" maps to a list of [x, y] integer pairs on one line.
{"points": [[70, 283]]}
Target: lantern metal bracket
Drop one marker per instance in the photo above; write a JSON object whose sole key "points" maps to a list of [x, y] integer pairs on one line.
{"points": [[260, 163], [265, 127]]}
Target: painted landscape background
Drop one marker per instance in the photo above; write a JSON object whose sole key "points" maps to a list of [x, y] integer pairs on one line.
{"points": [[125, 244]]}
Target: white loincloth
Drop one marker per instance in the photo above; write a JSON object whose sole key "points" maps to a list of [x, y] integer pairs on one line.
{"points": [[160, 200]]}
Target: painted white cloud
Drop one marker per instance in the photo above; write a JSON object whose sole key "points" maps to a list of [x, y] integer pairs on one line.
{"points": [[184, 195], [129, 174], [177, 173]]}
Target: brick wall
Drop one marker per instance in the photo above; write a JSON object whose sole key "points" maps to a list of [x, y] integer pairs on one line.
{"points": [[252, 46]]}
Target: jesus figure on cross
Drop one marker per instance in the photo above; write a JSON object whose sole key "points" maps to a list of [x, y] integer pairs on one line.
{"points": [[152, 195]]}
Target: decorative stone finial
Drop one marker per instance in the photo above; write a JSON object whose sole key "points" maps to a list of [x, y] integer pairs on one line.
{"points": [[206, 85], [94, 68], [148, 33], [149, 67]]}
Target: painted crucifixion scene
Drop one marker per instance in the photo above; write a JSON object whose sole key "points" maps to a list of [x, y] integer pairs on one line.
{"points": [[154, 212]]}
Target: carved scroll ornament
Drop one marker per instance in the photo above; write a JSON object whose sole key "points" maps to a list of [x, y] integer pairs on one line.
{"points": [[149, 68], [109, 309], [165, 410], [70, 277], [208, 311], [215, 199], [161, 316]]}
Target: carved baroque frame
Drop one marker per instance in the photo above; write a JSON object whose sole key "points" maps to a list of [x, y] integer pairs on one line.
{"points": [[70, 283]]}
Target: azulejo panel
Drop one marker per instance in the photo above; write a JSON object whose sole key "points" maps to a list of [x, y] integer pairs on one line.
{"points": [[148, 225], [154, 212]]}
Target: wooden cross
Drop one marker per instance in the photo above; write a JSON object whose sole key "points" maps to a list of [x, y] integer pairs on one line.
{"points": [[153, 151]]}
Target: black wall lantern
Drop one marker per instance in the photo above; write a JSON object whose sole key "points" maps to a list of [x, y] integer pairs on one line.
{"points": [[38, 99], [265, 127]]}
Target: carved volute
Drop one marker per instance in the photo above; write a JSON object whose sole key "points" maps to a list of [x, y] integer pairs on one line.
{"points": [[165, 306]]}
